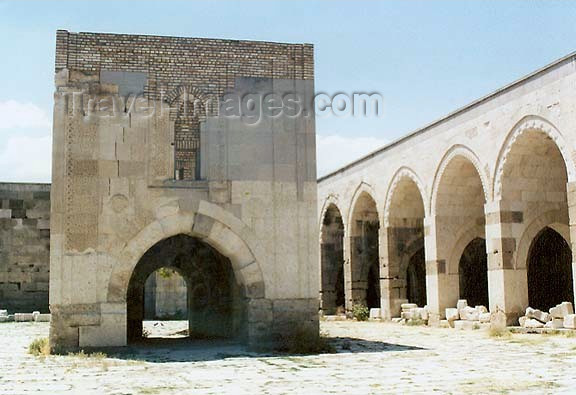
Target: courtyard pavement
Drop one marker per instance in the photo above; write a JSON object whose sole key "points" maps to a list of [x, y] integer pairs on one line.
{"points": [[372, 358]]}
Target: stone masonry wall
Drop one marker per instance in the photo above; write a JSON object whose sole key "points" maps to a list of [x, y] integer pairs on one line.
{"points": [[123, 180], [24, 247]]}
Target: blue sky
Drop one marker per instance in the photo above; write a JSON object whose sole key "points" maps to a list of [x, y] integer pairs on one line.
{"points": [[426, 58]]}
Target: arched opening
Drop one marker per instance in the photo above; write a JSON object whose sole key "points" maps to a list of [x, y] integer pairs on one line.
{"points": [[534, 179], [215, 304], [473, 273], [416, 278], [365, 262], [406, 269], [332, 295], [549, 270], [459, 203]]}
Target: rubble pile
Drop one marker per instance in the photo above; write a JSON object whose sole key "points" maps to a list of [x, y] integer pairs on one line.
{"points": [[558, 317], [35, 316], [466, 317], [411, 313]]}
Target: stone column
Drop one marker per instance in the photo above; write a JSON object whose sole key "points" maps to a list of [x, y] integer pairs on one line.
{"points": [[507, 286], [442, 287], [349, 302], [388, 293]]}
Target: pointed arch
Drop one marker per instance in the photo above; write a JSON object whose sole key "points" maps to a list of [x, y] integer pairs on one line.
{"points": [[362, 189], [402, 173], [452, 153], [532, 123]]}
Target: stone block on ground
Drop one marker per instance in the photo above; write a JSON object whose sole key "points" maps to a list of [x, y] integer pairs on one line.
{"points": [[537, 315], [408, 306], [570, 321], [375, 314], [561, 310], [484, 317], [407, 315], [555, 323], [461, 304], [469, 314], [522, 320], [42, 318], [3, 313], [23, 317], [481, 309], [533, 323], [452, 314], [397, 320]]}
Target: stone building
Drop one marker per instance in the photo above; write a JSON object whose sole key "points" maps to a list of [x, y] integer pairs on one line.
{"points": [[152, 169], [479, 205], [24, 247]]}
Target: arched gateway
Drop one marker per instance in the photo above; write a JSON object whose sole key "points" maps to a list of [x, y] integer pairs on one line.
{"points": [[227, 202]]}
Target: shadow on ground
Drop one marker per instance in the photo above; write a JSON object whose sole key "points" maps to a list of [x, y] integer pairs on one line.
{"points": [[159, 350]]}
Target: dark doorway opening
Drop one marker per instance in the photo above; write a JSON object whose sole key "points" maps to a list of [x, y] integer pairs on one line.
{"points": [[473, 273], [215, 303], [549, 270], [416, 278]]}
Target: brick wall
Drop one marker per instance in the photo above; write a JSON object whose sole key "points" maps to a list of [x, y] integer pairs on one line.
{"points": [[24, 246]]}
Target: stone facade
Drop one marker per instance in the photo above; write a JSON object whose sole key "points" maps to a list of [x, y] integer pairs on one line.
{"points": [[24, 247], [128, 183], [478, 204]]}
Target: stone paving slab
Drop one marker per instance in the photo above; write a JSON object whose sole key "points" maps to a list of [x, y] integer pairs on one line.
{"points": [[373, 358]]}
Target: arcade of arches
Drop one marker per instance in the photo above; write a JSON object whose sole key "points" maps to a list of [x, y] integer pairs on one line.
{"points": [[502, 241]]}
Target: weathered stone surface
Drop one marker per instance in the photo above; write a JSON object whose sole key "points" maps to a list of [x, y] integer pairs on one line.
{"points": [[375, 314], [561, 310], [408, 306], [498, 320], [130, 186], [555, 323], [533, 323], [469, 314], [484, 317], [537, 315], [486, 167], [23, 317], [522, 320], [452, 314], [569, 321], [461, 304], [24, 246]]}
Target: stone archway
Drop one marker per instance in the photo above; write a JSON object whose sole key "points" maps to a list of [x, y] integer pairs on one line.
{"points": [[404, 274], [457, 213], [216, 228], [332, 292], [216, 306], [364, 252], [531, 186]]}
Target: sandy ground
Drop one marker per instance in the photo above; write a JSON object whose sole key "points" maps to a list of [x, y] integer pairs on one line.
{"points": [[372, 358]]}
